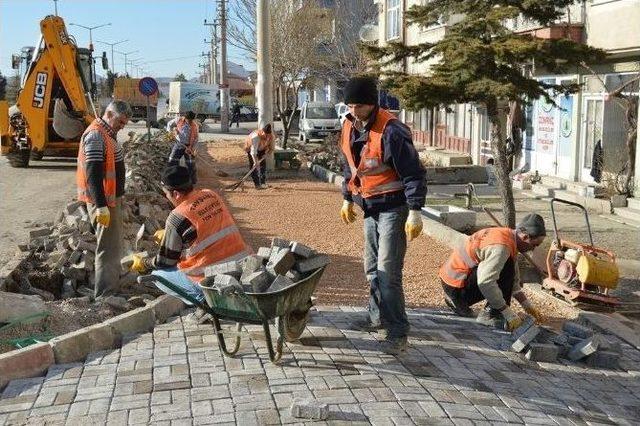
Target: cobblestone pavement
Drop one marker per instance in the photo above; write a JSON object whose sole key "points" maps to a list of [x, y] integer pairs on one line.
{"points": [[452, 373]]}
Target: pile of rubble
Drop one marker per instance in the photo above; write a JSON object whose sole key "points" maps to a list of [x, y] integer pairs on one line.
{"points": [[575, 343], [271, 269], [327, 155], [62, 254]]}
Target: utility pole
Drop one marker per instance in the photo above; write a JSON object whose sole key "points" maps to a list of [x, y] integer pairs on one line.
{"points": [[265, 80], [207, 69], [113, 64], [214, 50], [224, 85]]}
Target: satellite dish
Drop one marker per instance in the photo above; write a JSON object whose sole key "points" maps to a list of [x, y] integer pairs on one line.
{"points": [[368, 33]]}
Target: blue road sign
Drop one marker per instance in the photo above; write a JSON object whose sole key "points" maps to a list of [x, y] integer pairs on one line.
{"points": [[147, 86]]}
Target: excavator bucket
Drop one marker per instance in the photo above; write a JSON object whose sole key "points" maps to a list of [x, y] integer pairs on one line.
{"points": [[65, 123]]}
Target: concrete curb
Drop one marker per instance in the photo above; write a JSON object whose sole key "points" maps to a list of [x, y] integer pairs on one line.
{"points": [[34, 360], [325, 175]]}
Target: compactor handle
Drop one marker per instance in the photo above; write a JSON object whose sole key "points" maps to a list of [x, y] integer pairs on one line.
{"points": [[570, 203]]}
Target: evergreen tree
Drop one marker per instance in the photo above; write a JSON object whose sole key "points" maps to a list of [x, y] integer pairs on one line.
{"points": [[180, 77], [480, 60]]}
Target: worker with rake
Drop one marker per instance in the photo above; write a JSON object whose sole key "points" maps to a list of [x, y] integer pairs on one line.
{"points": [[258, 145]]}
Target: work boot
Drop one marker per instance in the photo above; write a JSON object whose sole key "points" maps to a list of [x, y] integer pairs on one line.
{"points": [[395, 345], [458, 305], [490, 317], [366, 325]]}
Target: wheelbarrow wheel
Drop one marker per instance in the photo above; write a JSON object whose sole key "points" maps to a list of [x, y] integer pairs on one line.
{"points": [[293, 325]]}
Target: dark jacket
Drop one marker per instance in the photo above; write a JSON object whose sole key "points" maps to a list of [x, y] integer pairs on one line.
{"points": [[399, 153]]}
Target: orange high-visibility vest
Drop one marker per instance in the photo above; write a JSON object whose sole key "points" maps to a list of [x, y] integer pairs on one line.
{"points": [[109, 181], [264, 143], [372, 176], [193, 131], [218, 239], [462, 260]]}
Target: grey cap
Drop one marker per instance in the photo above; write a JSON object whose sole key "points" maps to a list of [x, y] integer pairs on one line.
{"points": [[533, 225]]}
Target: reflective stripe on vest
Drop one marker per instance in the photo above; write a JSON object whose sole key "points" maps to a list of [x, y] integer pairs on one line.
{"points": [[372, 176], [193, 130], [217, 240], [461, 262], [109, 167]]}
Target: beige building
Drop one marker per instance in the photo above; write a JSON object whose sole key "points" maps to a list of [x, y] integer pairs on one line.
{"points": [[557, 142]]}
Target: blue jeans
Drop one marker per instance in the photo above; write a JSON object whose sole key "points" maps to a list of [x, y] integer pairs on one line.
{"points": [[385, 244], [181, 280], [177, 152]]}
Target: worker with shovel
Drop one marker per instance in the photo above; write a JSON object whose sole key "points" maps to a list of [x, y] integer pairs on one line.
{"points": [[100, 178], [199, 232], [486, 269], [384, 176], [186, 131], [258, 145]]}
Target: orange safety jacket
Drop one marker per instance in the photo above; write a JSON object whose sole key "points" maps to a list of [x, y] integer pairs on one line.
{"points": [[372, 176], [457, 268], [193, 131], [263, 145], [109, 182], [218, 239]]}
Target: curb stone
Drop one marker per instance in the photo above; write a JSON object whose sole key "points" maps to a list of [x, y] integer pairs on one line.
{"points": [[36, 359]]}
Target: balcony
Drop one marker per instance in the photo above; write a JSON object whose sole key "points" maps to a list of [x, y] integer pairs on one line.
{"points": [[570, 25]]}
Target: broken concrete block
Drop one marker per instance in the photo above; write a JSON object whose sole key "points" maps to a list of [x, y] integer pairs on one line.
{"points": [[259, 281], [37, 233], [313, 263], [279, 283], [73, 206], [14, 305], [525, 338], [68, 288], [604, 359], [280, 242], [542, 352], [75, 256], [301, 250], [226, 284], [309, 409], [251, 264], [584, 348], [116, 302], [527, 323], [577, 330], [74, 272], [264, 252], [233, 268], [294, 275], [145, 210], [280, 262], [78, 243]]}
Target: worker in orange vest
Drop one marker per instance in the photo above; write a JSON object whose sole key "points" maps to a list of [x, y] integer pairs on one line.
{"points": [[258, 145], [199, 232], [384, 176], [100, 179], [186, 132], [486, 269]]}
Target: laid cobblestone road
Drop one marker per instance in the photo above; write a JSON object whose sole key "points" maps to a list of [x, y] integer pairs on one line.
{"points": [[453, 373]]}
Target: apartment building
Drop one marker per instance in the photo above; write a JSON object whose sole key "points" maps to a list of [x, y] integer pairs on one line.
{"points": [[557, 141]]}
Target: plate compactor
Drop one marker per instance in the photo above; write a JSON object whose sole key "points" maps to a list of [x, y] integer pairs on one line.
{"points": [[580, 273]]}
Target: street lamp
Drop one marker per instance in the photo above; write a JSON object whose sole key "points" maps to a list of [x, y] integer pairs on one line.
{"points": [[125, 54], [113, 68], [90, 32]]}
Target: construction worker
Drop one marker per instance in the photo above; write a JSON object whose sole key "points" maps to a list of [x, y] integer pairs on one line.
{"points": [[199, 232], [384, 176], [486, 268], [258, 145], [100, 178], [186, 131]]}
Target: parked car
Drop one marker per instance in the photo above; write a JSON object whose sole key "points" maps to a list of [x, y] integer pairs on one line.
{"points": [[318, 120], [342, 110]]}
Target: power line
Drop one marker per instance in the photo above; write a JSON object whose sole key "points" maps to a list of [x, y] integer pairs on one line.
{"points": [[173, 59]]}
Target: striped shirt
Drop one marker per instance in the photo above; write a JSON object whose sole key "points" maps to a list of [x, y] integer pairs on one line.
{"points": [[94, 145], [179, 235]]}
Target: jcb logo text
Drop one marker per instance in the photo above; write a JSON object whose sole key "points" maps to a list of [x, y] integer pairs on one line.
{"points": [[40, 90]]}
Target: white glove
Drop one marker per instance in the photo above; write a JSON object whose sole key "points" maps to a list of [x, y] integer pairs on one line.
{"points": [[103, 216], [413, 226]]}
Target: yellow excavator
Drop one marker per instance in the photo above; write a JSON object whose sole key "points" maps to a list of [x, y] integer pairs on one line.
{"points": [[54, 104]]}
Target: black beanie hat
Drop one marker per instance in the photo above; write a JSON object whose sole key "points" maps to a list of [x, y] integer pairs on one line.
{"points": [[533, 225], [361, 90], [176, 178]]}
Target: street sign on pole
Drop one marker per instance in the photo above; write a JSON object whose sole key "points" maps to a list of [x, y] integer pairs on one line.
{"points": [[148, 87]]}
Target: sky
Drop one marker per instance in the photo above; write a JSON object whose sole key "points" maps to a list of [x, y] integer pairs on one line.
{"points": [[168, 34]]}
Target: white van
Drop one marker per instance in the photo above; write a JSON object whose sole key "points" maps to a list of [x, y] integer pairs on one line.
{"points": [[318, 120]]}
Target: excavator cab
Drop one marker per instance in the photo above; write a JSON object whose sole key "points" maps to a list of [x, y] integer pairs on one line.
{"points": [[55, 102]]}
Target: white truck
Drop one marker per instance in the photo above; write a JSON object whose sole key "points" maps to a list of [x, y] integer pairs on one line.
{"points": [[202, 99]]}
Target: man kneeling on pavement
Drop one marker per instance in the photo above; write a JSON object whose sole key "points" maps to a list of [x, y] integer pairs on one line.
{"points": [[486, 268], [199, 232]]}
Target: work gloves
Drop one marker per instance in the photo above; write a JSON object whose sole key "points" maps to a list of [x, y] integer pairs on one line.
{"points": [[138, 264], [158, 236], [347, 213], [103, 216], [531, 310], [413, 226], [511, 319]]}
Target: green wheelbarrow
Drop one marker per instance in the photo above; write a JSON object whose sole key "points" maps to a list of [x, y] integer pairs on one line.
{"points": [[288, 307]]}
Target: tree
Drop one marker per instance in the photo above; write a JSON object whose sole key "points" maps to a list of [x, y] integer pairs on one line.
{"points": [[481, 60], [180, 77]]}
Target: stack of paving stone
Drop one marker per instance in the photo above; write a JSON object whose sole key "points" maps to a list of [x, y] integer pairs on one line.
{"points": [[575, 343], [62, 253], [271, 269]]}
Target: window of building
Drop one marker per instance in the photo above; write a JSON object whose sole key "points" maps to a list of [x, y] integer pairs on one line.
{"points": [[393, 19]]}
